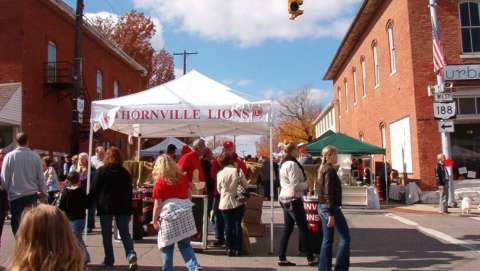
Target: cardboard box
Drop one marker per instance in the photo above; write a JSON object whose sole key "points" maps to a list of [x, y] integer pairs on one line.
{"points": [[253, 216], [255, 230]]}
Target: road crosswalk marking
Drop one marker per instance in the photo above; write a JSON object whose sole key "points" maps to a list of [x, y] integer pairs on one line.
{"points": [[434, 233]]}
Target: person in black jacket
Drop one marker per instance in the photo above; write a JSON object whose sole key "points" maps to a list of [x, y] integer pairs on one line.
{"points": [[74, 202], [442, 177], [329, 209], [112, 190]]}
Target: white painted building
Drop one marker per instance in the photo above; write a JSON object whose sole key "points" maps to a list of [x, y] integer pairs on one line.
{"points": [[325, 120], [10, 113]]}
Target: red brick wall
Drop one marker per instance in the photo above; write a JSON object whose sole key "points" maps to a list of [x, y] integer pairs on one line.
{"points": [[11, 41], [46, 118], [405, 92]]}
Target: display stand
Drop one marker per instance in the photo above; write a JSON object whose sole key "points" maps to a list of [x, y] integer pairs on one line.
{"points": [[200, 214]]}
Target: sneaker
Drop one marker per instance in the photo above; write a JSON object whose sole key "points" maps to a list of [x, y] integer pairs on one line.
{"points": [[313, 262], [199, 268], [132, 263], [107, 266], [286, 263]]}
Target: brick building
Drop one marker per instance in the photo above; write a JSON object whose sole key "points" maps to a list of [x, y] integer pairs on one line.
{"points": [[36, 61], [381, 72]]}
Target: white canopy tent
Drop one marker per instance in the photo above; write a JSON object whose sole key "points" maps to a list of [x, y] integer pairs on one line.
{"points": [[190, 106], [162, 146]]}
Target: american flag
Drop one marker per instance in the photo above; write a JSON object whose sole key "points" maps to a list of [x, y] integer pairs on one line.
{"points": [[439, 60]]}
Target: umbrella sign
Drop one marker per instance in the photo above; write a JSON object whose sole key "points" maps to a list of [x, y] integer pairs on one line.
{"points": [[444, 111]]}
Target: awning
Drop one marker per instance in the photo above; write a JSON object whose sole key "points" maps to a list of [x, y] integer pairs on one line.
{"points": [[344, 144], [11, 103]]}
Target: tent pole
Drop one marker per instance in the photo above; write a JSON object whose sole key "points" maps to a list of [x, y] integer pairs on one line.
{"points": [[139, 146], [89, 171], [386, 177], [272, 194]]}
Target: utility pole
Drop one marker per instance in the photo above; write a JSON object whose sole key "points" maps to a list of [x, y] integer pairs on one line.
{"points": [[77, 79], [440, 88], [185, 54]]}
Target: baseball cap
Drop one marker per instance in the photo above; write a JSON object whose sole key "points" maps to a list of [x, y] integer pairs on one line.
{"points": [[228, 145]]}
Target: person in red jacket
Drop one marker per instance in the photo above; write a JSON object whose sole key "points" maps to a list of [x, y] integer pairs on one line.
{"points": [[229, 149], [189, 163]]}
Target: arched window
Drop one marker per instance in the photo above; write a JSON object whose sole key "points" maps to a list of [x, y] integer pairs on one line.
{"points": [[116, 88], [364, 76], [376, 64], [355, 85], [470, 25], [345, 83], [339, 101], [391, 48], [99, 85], [383, 135]]}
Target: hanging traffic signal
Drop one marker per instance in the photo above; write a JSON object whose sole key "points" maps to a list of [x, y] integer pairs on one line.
{"points": [[294, 8]]}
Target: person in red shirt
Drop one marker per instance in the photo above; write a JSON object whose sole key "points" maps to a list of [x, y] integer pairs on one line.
{"points": [[171, 184], [229, 149], [190, 162]]}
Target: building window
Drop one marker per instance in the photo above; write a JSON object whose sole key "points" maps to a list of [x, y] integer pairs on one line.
{"points": [[339, 101], [115, 88], [470, 25], [99, 85], [355, 86], [51, 62], [383, 134], [364, 77], [376, 65], [391, 48], [346, 94]]}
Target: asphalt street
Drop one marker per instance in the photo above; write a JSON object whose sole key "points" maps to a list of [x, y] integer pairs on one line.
{"points": [[381, 240]]}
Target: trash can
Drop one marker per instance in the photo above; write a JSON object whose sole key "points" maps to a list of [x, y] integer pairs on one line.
{"points": [[310, 204]]}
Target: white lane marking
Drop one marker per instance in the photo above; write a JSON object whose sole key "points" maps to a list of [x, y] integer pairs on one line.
{"points": [[434, 233], [475, 218], [403, 220]]}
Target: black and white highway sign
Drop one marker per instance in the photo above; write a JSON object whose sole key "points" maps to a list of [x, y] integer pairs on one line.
{"points": [[444, 111], [446, 126]]}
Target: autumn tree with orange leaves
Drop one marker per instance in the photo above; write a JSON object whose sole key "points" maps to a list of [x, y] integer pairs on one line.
{"points": [[133, 33], [295, 115]]}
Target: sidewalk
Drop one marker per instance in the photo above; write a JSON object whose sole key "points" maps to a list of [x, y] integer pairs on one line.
{"points": [[421, 208]]}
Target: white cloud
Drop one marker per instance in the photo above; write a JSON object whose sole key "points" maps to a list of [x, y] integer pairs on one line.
{"points": [[244, 82], [318, 96], [228, 82], [157, 40], [248, 23]]}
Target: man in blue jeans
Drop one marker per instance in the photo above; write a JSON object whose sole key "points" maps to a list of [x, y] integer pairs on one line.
{"points": [[22, 178]]}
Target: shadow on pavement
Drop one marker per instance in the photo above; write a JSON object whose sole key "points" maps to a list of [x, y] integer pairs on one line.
{"points": [[401, 249], [156, 268]]}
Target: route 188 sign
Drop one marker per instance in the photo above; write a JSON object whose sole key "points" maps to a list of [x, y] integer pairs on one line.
{"points": [[444, 111]]}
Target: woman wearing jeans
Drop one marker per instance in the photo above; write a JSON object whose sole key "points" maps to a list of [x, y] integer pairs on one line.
{"points": [[172, 192], [232, 208], [112, 190], [293, 183], [329, 209]]}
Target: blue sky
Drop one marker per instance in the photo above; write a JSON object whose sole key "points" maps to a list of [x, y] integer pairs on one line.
{"points": [[249, 45]]}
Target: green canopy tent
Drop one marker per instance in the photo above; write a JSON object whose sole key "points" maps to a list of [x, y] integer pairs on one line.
{"points": [[344, 144]]}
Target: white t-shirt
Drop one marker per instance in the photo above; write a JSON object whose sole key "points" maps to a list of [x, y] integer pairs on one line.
{"points": [[96, 163]]}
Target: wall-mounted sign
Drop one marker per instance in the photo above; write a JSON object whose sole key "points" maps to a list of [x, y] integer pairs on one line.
{"points": [[461, 72]]}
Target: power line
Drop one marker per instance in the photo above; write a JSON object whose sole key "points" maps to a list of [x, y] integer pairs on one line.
{"points": [[185, 54]]}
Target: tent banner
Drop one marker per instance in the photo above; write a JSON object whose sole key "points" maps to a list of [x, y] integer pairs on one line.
{"points": [[244, 113]]}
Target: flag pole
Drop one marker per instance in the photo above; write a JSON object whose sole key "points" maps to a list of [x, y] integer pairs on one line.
{"points": [[445, 137]]}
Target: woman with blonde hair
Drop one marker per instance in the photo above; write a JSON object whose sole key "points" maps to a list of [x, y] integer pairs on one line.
{"points": [[293, 184], [45, 242], [329, 209], [172, 213]]}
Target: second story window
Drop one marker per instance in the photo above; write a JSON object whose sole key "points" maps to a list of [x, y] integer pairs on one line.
{"points": [[339, 101], [346, 94], [51, 62], [99, 85], [355, 85], [376, 65], [391, 48], [470, 25], [116, 88], [364, 77]]}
